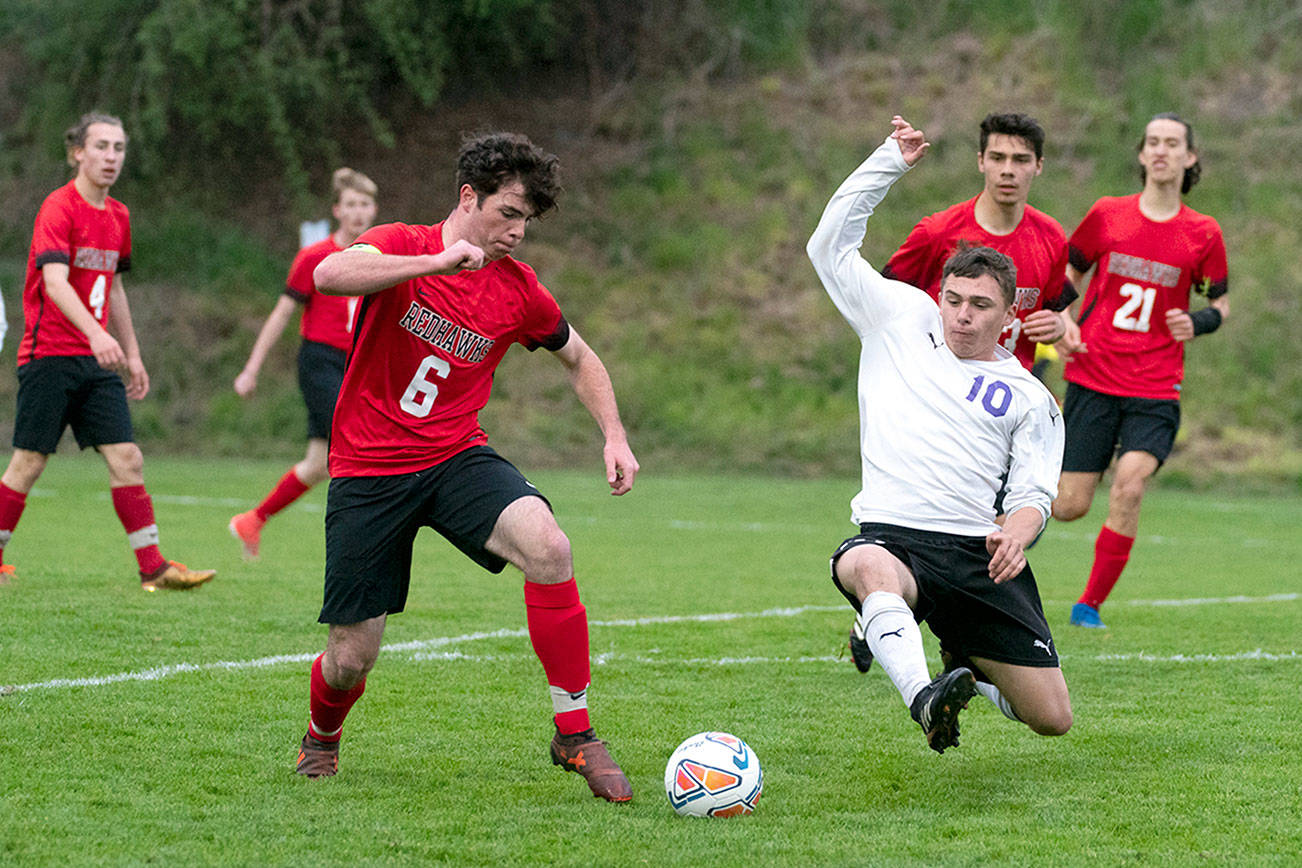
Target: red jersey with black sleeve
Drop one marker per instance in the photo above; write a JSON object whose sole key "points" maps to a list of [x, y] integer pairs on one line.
{"points": [[327, 319], [1038, 247], [1144, 268], [422, 364], [95, 244]]}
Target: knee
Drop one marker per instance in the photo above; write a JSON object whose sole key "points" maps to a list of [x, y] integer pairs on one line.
{"points": [[126, 463], [25, 467], [1052, 721], [1069, 509], [345, 667], [1128, 491], [549, 558]]}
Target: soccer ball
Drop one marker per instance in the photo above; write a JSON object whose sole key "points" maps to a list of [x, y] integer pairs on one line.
{"points": [[713, 774]]}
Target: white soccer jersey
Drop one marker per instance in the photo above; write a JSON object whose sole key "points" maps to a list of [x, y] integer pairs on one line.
{"points": [[937, 433]]}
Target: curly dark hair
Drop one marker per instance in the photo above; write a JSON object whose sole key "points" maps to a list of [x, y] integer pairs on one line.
{"points": [[970, 261], [1191, 174], [75, 136], [488, 161], [1013, 124]]}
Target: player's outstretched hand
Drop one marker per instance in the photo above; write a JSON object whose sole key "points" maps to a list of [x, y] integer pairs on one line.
{"points": [[461, 256], [1007, 558], [913, 144], [1180, 324], [245, 383], [621, 467], [1043, 326]]}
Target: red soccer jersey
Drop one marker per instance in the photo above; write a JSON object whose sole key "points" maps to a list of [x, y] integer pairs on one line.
{"points": [[1038, 247], [95, 244], [327, 319], [1144, 269], [422, 365]]}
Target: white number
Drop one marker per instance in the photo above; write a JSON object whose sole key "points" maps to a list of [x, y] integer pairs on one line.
{"points": [[1014, 332], [97, 297], [418, 400], [1136, 296], [352, 312]]}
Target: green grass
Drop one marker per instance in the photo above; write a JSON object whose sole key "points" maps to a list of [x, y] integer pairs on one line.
{"points": [[1184, 749]]}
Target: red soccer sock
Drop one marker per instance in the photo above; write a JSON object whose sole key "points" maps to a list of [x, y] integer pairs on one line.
{"points": [[558, 629], [289, 489], [11, 509], [135, 510], [1111, 552], [329, 705]]}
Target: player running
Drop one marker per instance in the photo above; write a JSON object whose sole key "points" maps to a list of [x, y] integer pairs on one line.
{"points": [[945, 412], [70, 367], [327, 329], [1125, 358], [1010, 156], [441, 306]]}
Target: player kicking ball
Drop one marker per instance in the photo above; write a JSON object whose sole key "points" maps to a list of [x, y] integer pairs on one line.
{"points": [[441, 306], [945, 411]]}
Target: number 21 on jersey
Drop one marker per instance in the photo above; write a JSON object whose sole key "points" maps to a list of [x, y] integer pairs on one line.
{"points": [[1136, 311]]}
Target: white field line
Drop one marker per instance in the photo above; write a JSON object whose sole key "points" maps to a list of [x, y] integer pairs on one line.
{"points": [[426, 649]]}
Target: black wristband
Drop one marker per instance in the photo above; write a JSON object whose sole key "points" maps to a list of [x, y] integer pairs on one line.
{"points": [[1206, 321]]}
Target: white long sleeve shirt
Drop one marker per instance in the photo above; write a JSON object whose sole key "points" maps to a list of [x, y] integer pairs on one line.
{"points": [[937, 433]]}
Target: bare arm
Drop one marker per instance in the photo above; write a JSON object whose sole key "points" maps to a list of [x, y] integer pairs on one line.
{"points": [[1070, 341], [270, 332], [108, 352], [362, 272], [591, 382], [119, 319]]}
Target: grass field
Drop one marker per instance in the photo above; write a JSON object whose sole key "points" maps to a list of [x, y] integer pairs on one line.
{"points": [[161, 727]]}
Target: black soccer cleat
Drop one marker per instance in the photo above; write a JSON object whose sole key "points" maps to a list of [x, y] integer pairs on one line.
{"points": [[860, 653], [937, 705]]}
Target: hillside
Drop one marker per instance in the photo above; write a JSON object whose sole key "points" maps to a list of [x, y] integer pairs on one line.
{"points": [[678, 249]]}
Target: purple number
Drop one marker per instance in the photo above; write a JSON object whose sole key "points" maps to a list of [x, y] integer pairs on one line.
{"points": [[997, 398]]}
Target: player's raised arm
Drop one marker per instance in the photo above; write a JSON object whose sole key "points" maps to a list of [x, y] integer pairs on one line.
{"points": [[362, 270], [834, 247]]}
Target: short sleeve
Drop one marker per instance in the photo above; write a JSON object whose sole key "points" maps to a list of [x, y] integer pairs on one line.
{"points": [[915, 262], [544, 325], [397, 239], [1212, 277], [1084, 247], [52, 233]]}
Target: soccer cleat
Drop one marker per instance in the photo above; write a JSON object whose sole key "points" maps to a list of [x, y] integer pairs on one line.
{"points": [[860, 653], [173, 576], [316, 758], [1085, 615], [937, 705], [586, 754], [7, 572], [247, 528]]}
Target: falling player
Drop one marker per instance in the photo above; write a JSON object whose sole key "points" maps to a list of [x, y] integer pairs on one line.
{"points": [[945, 412]]}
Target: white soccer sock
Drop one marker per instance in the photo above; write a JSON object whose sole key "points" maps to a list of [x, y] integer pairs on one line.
{"points": [[896, 642], [989, 691]]}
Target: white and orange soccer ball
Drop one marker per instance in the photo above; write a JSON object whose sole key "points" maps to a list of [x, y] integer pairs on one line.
{"points": [[713, 774]]}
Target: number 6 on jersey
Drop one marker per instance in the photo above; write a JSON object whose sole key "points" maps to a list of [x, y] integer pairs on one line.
{"points": [[418, 400]]}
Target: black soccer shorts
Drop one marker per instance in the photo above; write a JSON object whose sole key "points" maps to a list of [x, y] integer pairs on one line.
{"points": [[1097, 426], [58, 392], [371, 522], [320, 374], [968, 612]]}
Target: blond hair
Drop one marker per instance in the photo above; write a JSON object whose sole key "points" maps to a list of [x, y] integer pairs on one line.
{"points": [[351, 179], [75, 136]]}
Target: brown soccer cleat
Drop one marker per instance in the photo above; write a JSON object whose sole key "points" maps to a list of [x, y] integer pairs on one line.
{"points": [[318, 759], [247, 528], [175, 576], [586, 754]]}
